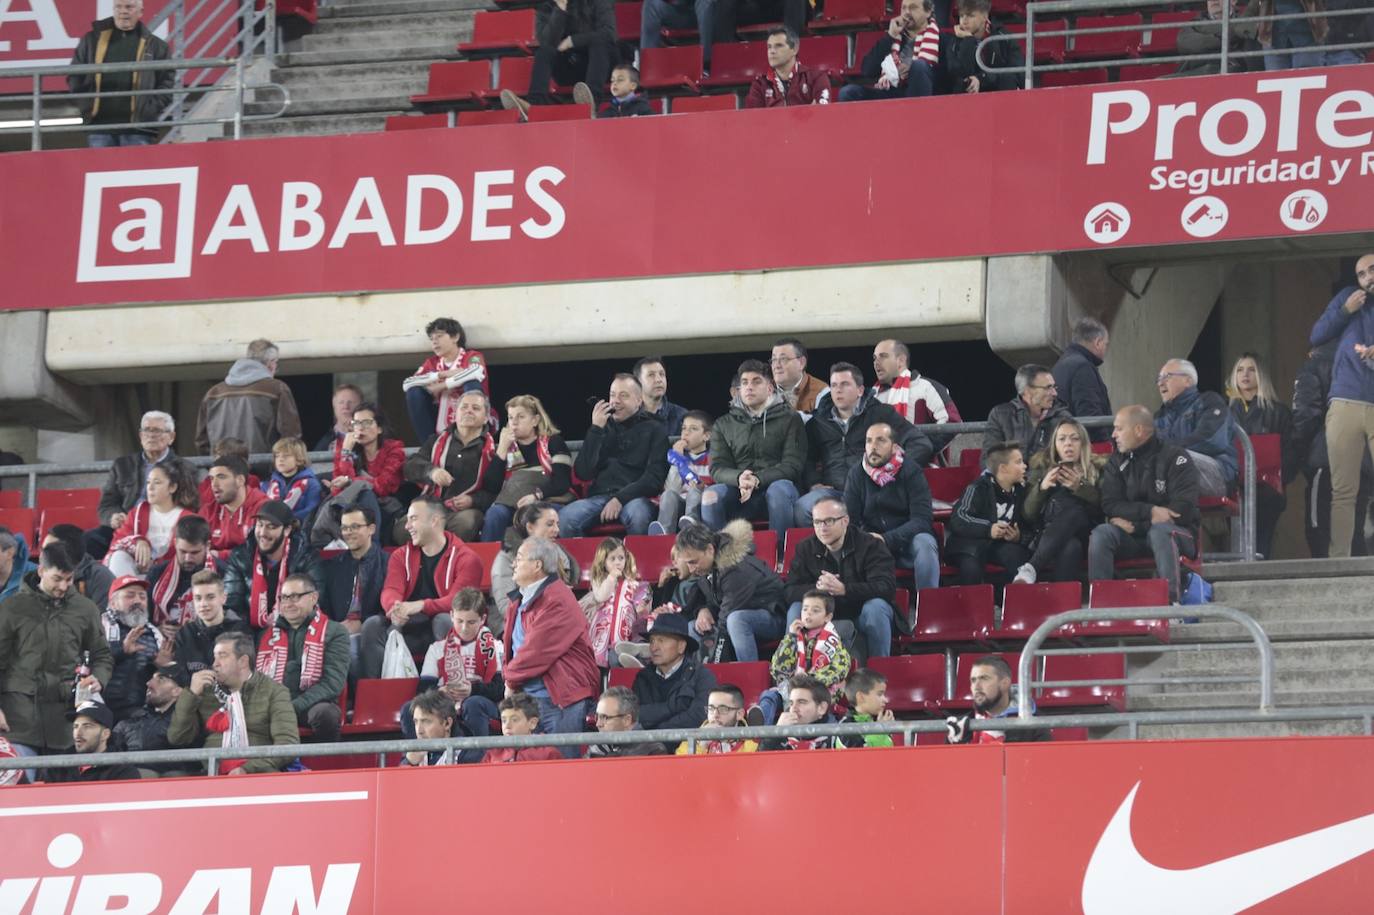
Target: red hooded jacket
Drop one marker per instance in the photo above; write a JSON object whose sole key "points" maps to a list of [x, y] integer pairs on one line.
{"points": [[229, 530], [557, 648], [458, 568]]}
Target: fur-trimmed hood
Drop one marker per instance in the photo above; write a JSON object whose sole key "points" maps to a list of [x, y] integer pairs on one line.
{"points": [[737, 542]]}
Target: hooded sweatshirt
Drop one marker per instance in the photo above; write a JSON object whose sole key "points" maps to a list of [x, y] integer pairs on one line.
{"points": [[19, 569], [250, 404]]}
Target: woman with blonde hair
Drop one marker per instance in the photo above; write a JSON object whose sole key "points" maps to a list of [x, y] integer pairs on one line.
{"points": [[538, 463], [618, 604], [1063, 499], [1259, 412]]}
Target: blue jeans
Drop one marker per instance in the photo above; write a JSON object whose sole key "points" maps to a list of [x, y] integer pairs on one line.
{"points": [[778, 504], [660, 14], [569, 720], [874, 623], [120, 138], [801, 514], [920, 82], [495, 522], [921, 554], [423, 413], [1292, 38], [1341, 58], [771, 703], [748, 628], [574, 519]]}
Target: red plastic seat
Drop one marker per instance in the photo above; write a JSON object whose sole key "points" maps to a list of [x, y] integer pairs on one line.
{"points": [[1106, 447], [13, 498], [416, 122], [377, 708], [652, 555], [83, 516], [671, 69], [455, 83], [55, 498], [766, 547], [688, 104], [750, 676], [947, 484], [963, 694], [953, 614], [512, 73], [1164, 29], [1025, 607], [544, 113], [583, 550], [863, 43], [486, 552], [825, 52], [734, 64], [790, 540], [849, 16], [1083, 667], [1100, 45], [1125, 592], [915, 682], [623, 676], [627, 21], [1049, 49], [22, 521], [494, 32], [1008, 9], [1268, 460], [486, 118], [971, 457], [1059, 78]]}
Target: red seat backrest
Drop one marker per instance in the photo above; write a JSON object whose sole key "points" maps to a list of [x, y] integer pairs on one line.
{"points": [[415, 122], [500, 26], [692, 103], [948, 483], [485, 118], [766, 547], [652, 555], [912, 680], [623, 676], [514, 74], [668, 66], [1085, 667], [59, 498], [1106, 447], [14, 498], [1128, 592], [738, 60], [867, 10], [458, 78], [1125, 43], [83, 516], [791, 539], [750, 676], [1164, 31], [863, 43], [956, 611], [1025, 607], [379, 702], [486, 552], [1268, 459], [825, 52], [20, 521], [582, 549]]}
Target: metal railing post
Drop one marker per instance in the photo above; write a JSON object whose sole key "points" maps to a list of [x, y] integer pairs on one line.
{"points": [[238, 99], [270, 33], [36, 143], [33, 489], [1226, 40], [1029, 62], [1248, 500], [247, 40]]}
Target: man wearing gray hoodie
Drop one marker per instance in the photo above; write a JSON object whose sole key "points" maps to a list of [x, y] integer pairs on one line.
{"points": [[250, 404]]}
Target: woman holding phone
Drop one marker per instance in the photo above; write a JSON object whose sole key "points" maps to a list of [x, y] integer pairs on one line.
{"points": [[1064, 500]]}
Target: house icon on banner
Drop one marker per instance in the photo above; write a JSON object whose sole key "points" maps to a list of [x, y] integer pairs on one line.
{"points": [[1107, 222]]}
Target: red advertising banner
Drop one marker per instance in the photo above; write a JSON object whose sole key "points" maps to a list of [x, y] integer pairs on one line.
{"points": [[44, 33], [1138, 164]]}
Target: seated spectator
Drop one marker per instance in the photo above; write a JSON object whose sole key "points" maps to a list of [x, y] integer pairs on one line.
{"points": [[792, 13], [652, 376], [1149, 495], [988, 524], [886, 496], [701, 15], [1292, 43], [368, 465], [92, 725], [257, 571], [1257, 410], [346, 399], [432, 392], [1029, 418], [547, 653], [905, 66], [689, 473], [431, 718], [787, 81], [134, 646], [14, 562], [538, 465], [92, 578], [1077, 379], [145, 730], [126, 485], [622, 457], [251, 404], [235, 506], [459, 467], [801, 391], [465, 667], [1203, 37], [537, 519], [993, 697], [917, 399], [625, 100], [617, 606], [813, 647], [1064, 501], [675, 584], [1199, 422], [855, 569], [145, 537], [353, 580], [618, 710], [576, 44], [195, 642], [171, 579], [520, 718], [758, 451], [866, 690], [228, 447], [959, 53], [734, 589], [672, 692], [808, 702], [307, 652], [421, 579], [232, 705], [724, 709]]}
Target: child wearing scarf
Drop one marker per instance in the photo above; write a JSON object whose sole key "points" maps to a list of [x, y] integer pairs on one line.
{"points": [[812, 647]]}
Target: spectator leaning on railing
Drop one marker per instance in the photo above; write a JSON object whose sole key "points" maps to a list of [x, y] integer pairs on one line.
{"points": [[121, 39]]}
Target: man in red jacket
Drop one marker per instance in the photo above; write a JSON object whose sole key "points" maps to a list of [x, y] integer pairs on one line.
{"points": [[421, 579], [548, 654], [787, 81], [235, 505]]}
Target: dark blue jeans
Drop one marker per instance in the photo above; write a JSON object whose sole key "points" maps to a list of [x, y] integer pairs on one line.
{"points": [[570, 719], [920, 82], [100, 140]]}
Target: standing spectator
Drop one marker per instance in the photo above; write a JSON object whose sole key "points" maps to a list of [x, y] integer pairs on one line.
{"points": [[421, 579], [293, 480], [812, 646], [465, 667], [618, 710], [988, 524], [195, 641], [801, 391], [658, 15], [1350, 416], [14, 562], [353, 580], [622, 456], [520, 717], [46, 630], [1149, 495], [307, 652], [256, 572], [577, 44], [232, 705], [735, 590], [145, 731], [617, 605], [625, 100], [251, 404], [236, 503], [959, 53], [1258, 411], [672, 693], [905, 66], [652, 376], [1077, 378], [171, 579], [547, 653], [538, 464], [346, 399], [887, 497], [1349, 29], [1030, 417], [689, 473], [127, 483], [459, 467], [808, 702], [724, 709], [145, 537], [917, 399], [1203, 37], [855, 569], [368, 463], [1063, 500], [538, 519], [121, 39], [92, 579], [431, 718], [1200, 422], [758, 451], [134, 646], [431, 400], [993, 697], [91, 727], [787, 81], [792, 13], [866, 690], [1292, 43]]}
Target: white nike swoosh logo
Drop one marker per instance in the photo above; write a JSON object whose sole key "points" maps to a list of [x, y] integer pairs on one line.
{"points": [[1120, 881]]}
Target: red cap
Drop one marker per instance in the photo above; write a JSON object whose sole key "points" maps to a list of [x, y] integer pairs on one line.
{"points": [[127, 581]]}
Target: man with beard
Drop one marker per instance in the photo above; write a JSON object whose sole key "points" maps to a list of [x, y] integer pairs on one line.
{"points": [[93, 579], [888, 498], [195, 643], [146, 729], [724, 709], [808, 702], [134, 645], [91, 724], [255, 572], [233, 506], [170, 581], [990, 685], [653, 382]]}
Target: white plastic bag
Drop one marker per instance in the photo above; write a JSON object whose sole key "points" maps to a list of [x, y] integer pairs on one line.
{"points": [[397, 664]]}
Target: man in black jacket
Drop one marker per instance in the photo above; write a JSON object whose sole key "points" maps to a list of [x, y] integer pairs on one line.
{"points": [[1030, 417], [960, 71], [353, 580], [254, 574], [91, 724], [618, 710], [577, 43], [624, 456], [903, 64], [853, 568], [195, 641], [146, 729], [887, 497], [128, 480], [121, 39], [1149, 495], [1080, 385], [672, 692]]}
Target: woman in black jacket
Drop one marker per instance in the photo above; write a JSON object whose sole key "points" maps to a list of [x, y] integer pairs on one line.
{"points": [[1064, 500], [1259, 412]]}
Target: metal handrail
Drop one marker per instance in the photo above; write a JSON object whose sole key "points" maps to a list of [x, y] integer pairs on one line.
{"points": [[1027, 683]]}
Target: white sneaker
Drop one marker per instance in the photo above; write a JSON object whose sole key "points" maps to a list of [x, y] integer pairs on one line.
{"points": [[630, 661], [1025, 575]]}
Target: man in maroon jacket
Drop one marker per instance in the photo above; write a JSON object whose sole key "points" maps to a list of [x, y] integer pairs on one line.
{"points": [[421, 579], [787, 81], [548, 653]]}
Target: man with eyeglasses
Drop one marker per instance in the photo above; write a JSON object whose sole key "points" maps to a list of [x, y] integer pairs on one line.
{"points": [[724, 709], [127, 483], [801, 391], [346, 399], [352, 591], [1028, 418], [1199, 421], [618, 710], [308, 654]]}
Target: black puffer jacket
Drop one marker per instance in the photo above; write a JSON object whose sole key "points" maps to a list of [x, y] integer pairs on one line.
{"points": [[626, 460], [1156, 473], [833, 450], [863, 564], [238, 572], [738, 580], [971, 523], [195, 644]]}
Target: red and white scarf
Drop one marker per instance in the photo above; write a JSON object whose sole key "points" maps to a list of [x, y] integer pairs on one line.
{"points": [[135, 529], [275, 650], [438, 455], [726, 746], [897, 395], [260, 615], [166, 605], [824, 645], [887, 473], [615, 618], [516, 461], [292, 493], [474, 365], [476, 660]]}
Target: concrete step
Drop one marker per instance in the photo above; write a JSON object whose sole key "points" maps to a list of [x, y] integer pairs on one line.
{"points": [[308, 92], [1313, 655], [389, 104], [318, 126], [443, 22], [1299, 570], [1239, 697], [1286, 590], [1255, 729], [1290, 630], [353, 74], [1296, 680], [351, 8], [389, 41], [427, 52]]}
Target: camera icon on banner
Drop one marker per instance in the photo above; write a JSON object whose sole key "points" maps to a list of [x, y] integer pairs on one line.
{"points": [[1204, 217]]}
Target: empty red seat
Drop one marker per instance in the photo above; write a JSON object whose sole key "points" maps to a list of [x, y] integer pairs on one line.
{"points": [[455, 82], [825, 52], [1125, 42], [56, 498], [971, 457], [652, 555], [736, 63], [915, 682], [1048, 49], [790, 540], [1125, 592], [947, 484], [512, 73], [671, 69], [377, 708], [494, 32], [83, 516], [1068, 668], [542, 113], [688, 104], [416, 122], [486, 552], [627, 19], [485, 118], [750, 676], [1164, 29], [583, 551], [623, 676], [849, 15], [766, 546], [14, 498], [953, 614], [1059, 78], [20, 521], [963, 692], [1025, 607]]}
